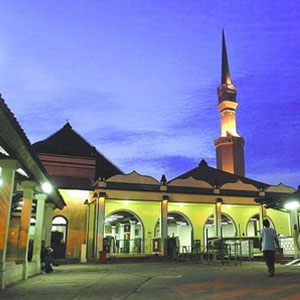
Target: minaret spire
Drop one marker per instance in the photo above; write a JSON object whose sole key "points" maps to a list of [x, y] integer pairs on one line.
{"points": [[225, 67]]}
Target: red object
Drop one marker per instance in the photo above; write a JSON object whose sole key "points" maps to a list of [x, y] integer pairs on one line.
{"points": [[279, 255], [102, 257]]}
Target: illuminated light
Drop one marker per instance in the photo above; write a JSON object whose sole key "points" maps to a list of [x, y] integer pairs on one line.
{"points": [[22, 172], [228, 80], [46, 187], [291, 205], [77, 194], [1, 181]]}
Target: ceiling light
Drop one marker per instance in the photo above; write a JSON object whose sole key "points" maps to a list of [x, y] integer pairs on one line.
{"points": [[46, 187]]}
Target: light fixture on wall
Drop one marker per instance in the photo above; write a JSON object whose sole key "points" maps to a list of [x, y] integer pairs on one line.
{"points": [[291, 205]]}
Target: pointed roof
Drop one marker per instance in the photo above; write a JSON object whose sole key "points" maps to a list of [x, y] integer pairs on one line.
{"points": [[67, 141], [225, 66], [217, 177]]}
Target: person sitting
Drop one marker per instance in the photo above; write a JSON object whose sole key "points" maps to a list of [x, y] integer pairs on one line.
{"points": [[46, 259]]}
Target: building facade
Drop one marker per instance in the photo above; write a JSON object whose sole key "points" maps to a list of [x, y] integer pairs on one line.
{"points": [[93, 205], [27, 201], [137, 214]]}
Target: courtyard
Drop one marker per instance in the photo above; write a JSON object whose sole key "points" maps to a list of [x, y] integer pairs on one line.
{"points": [[160, 280]]}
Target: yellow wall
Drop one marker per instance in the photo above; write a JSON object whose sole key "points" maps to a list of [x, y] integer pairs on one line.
{"points": [[75, 212], [196, 213], [147, 211], [280, 220], [241, 214]]}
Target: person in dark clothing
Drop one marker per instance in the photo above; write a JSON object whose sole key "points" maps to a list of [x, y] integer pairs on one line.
{"points": [[268, 238], [46, 259]]}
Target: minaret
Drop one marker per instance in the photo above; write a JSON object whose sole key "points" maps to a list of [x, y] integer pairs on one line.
{"points": [[230, 145]]}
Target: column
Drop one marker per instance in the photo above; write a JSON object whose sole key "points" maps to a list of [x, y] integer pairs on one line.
{"points": [[262, 216], [295, 230], [121, 235], [100, 224], [132, 237], [23, 238], [48, 223], [218, 218], [164, 225], [6, 191], [38, 234], [113, 231]]}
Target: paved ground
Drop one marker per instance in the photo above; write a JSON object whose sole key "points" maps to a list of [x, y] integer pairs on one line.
{"points": [[165, 280]]}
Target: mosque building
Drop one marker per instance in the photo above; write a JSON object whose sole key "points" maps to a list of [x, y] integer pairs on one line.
{"points": [[93, 205], [136, 210]]}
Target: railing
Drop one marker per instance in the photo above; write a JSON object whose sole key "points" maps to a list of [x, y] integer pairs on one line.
{"points": [[128, 246], [287, 243]]}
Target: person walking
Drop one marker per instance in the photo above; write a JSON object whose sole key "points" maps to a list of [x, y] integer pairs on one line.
{"points": [[268, 239]]}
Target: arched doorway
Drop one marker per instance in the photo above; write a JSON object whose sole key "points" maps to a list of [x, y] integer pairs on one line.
{"points": [[253, 226], [124, 233], [227, 224], [59, 232], [179, 228]]}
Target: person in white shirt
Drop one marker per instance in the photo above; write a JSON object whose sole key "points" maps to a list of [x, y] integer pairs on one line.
{"points": [[268, 239]]}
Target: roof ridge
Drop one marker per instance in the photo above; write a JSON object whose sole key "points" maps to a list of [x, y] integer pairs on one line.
{"points": [[93, 148], [97, 151]]}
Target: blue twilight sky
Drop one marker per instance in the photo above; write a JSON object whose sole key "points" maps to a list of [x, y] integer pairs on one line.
{"points": [[138, 79]]}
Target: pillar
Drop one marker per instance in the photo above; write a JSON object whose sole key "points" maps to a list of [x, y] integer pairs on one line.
{"points": [[218, 218], [6, 191], [48, 223], [38, 234], [164, 226], [262, 216], [121, 235], [294, 232], [23, 238], [132, 237], [113, 231], [100, 224]]}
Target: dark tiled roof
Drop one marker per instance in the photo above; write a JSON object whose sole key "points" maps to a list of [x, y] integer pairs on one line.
{"points": [[68, 142], [40, 170], [217, 177], [68, 182]]}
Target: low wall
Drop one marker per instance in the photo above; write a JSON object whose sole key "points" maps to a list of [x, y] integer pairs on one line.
{"points": [[13, 273]]}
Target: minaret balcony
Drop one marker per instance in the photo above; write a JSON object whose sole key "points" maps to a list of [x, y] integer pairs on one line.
{"points": [[229, 140]]}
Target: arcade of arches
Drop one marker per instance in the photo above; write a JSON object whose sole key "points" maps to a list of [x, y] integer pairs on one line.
{"points": [[132, 227]]}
